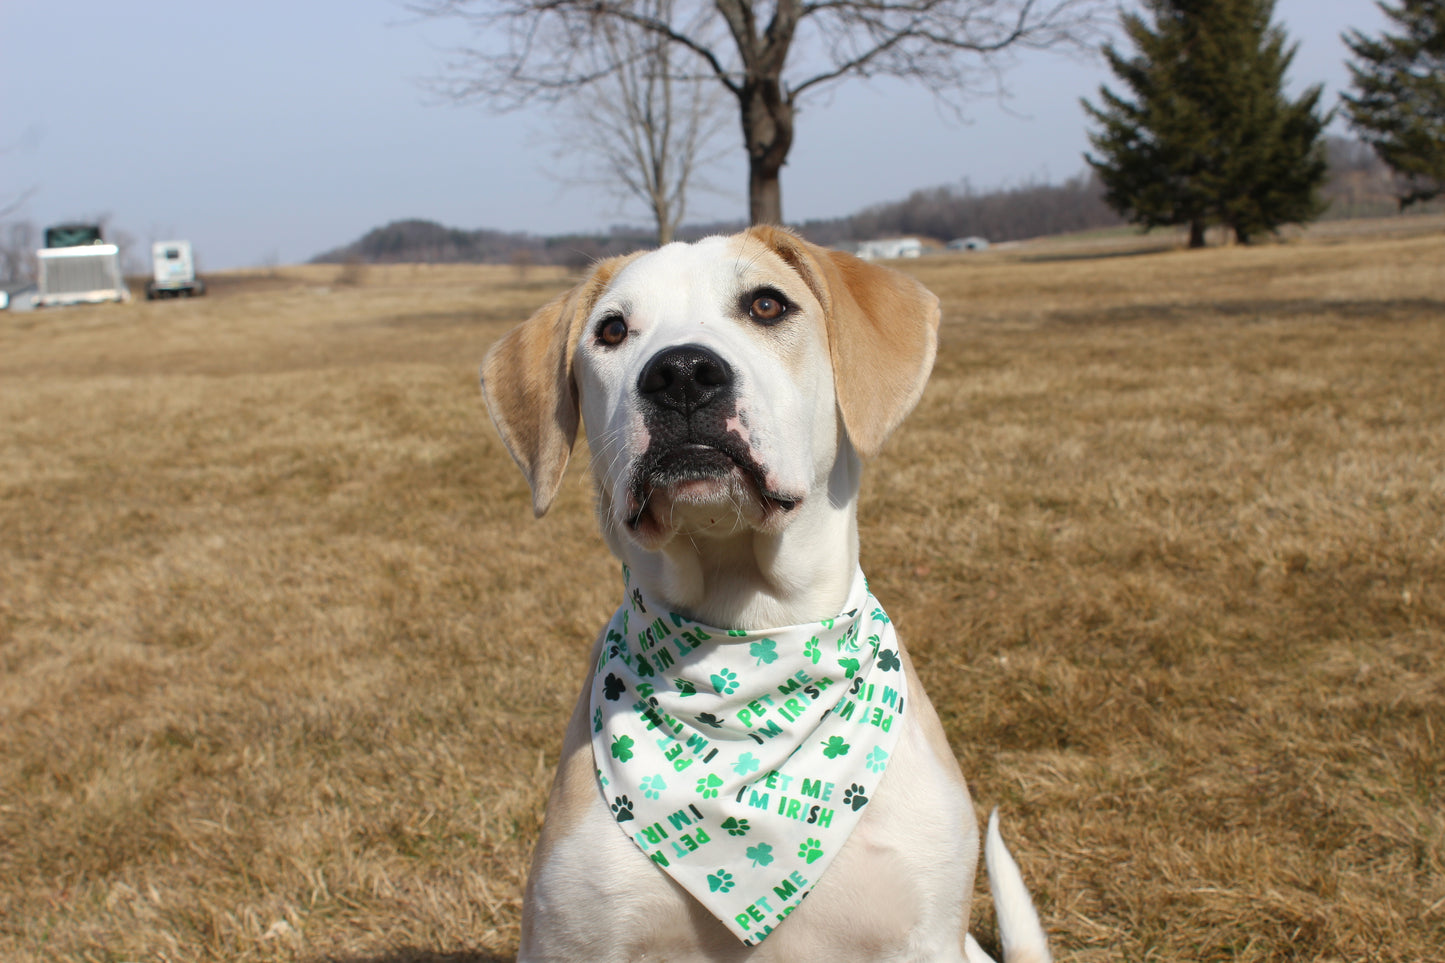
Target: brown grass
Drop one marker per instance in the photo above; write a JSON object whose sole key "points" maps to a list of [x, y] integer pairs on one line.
{"points": [[1166, 535]]}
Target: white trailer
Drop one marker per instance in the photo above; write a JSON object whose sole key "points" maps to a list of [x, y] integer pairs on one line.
{"points": [[173, 269]]}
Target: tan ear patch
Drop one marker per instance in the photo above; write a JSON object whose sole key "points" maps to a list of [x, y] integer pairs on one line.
{"points": [[882, 334], [528, 386]]}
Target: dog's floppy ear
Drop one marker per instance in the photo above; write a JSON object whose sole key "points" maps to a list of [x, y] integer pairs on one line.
{"points": [[531, 396], [882, 334]]}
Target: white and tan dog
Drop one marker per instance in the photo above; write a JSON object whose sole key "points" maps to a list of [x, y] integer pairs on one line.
{"points": [[730, 389]]}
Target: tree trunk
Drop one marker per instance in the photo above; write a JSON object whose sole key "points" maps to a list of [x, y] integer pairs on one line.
{"points": [[767, 118], [1196, 233]]}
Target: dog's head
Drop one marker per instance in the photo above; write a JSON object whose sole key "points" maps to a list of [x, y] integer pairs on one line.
{"points": [[719, 382]]}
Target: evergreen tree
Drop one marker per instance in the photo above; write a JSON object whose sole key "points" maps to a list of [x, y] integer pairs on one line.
{"points": [[1208, 136], [1399, 102]]}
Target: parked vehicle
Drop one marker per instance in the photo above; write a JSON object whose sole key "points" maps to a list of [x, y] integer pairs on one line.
{"points": [[77, 266], [174, 271]]}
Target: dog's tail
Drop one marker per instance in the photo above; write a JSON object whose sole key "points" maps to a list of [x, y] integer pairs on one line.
{"points": [[1018, 925]]}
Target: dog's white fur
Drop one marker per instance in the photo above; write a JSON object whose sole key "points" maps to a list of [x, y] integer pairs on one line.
{"points": [[765, 537]]}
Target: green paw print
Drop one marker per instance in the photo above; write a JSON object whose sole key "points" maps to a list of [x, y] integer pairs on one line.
{"points": [[835, 747], [877, 760], [652, 786], [736, 827], [720, 882], [597, 720], [811, 849], [724, 682], [709, 785], [813, 650], [622, 748]]}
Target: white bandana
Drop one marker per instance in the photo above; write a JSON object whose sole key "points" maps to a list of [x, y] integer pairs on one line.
{"points": [[741, 761]]}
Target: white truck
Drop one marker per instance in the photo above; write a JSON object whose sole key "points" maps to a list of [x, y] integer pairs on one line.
{"points": [[173, 271], [78, 267]]}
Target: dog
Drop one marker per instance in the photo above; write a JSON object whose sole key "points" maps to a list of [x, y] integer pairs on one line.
{"points": [[730, 391]]}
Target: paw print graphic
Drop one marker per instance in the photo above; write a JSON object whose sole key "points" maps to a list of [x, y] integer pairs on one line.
{"points": [[736, 827], [888, 661], [720, 882], [880, 616], [709, 785], [761, 854], [877, 760], [597, 720], [686, 688], [747, 763], [811, 849], [613, 687], [765, 651], [854, 796], [835, 747], [724, 681], [622, 808], [622, 748], [813, 649], [652, 786]]}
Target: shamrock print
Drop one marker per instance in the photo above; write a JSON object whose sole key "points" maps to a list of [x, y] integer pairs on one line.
{"points": [[622, 748], [644, 668], [888, 661], [708, 719], [720, 882], [854, 796], [652, 786], [746, 763], [835, 747], [724, 681], [877, 760], [597, 720], [736, 827], [709, 785], [622, 808], [813, 649], [850, 666], [765, 651], [761, 854], [613, 687], [811, 850]]}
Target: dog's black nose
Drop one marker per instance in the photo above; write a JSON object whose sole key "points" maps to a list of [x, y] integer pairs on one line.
{"points": [[685, 378]]}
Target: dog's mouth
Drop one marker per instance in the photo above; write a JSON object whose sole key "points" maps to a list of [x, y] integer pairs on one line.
{"points": [[699, 473]]}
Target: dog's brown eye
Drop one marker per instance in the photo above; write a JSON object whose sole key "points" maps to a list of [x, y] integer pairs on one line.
{"points": [[613, 330], [767, 307]]}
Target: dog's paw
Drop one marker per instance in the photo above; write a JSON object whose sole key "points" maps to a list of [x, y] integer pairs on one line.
{"points": [[720, 882], [724, 681], [811, 849], [622, 808], [854, 796], [736, 827]]}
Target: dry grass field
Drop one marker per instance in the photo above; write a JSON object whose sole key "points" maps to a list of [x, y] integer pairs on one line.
{"points": [[285, 661]]}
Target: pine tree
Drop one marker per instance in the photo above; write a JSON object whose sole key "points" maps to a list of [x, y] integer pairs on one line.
{"points": [[1399, 102], [1208, 136]]}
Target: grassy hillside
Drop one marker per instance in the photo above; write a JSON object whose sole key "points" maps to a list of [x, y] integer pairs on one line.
{"points": [[1164, 536]]}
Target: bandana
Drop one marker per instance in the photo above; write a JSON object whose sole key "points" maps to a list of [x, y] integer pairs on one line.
{"points": [[740, 762]]}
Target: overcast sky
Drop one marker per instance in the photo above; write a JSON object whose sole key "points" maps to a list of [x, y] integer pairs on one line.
{"points": [[270, 130]]}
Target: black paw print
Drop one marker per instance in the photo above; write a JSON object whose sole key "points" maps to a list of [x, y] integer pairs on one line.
{"points": [[622, 808], [853, 796], [613, 687]]}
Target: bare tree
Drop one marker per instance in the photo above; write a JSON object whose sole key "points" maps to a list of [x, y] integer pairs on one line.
{"points": [[647, 128], [773, 53]]}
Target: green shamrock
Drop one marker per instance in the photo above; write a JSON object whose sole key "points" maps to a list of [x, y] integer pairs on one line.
{"points": [[622, 748], [850, 666], [724, 681], [765, 651], [709, 785], [835, 747], [811, 849], [597, 720], [746, 763], [761, 854]]}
